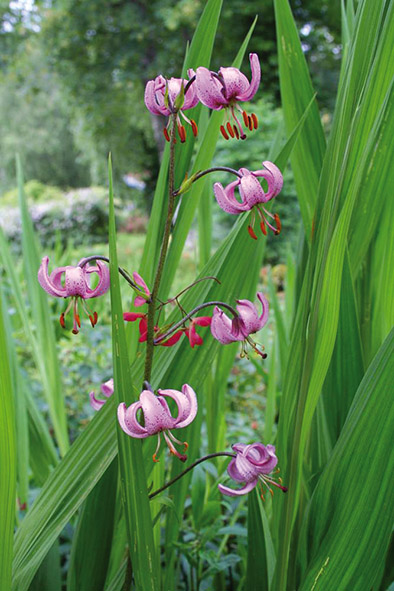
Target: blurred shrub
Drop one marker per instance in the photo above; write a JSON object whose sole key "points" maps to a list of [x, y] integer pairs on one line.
{"points": [[34, 191]]}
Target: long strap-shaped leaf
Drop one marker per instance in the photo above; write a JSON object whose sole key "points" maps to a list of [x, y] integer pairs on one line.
{"points": [[348, 524]]}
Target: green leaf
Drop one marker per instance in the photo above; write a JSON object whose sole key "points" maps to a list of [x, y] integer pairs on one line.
{"points": [[7, 459], [261, 554], [348, 524]]}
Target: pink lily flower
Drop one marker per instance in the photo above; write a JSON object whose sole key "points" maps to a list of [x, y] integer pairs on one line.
{"points": [[140, 300], [251, 465], [240, 328], [161, 99], [74, 283], [252, 195], [158, 418], [107, 388], [227, 88]]}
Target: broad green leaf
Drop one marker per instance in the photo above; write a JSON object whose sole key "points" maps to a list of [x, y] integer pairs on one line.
{"points": [[348, 524], [7, 459], [48, 577], [261, 554]]}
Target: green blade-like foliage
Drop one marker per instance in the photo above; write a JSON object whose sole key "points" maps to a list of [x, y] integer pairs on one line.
{"points": [[261, 554], [7, 459], [46, 355], [132, 468], [348, 524]]}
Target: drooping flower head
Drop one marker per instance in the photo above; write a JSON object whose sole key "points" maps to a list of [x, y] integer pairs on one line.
{"points": [[252, 195], [251, 465], [107, 388], [140, 300], [75, 283], [240, 328], [165, 97], [225, 89], [157, 416]]}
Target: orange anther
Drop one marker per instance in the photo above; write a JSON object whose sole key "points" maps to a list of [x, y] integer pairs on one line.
{"points": [[252, 233], [182, 133], [245, 116], [278, 224], [255, 121], [61, 320], [230, 129], [154, 458], [194, 127], [263, 228], [236, 132], [165, 131], [224, 133]]}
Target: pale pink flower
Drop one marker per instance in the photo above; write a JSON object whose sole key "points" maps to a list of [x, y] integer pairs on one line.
{"points": [[107, 388]]}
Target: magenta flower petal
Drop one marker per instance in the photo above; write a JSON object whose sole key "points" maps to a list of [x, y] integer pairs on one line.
{"points": [[222, 328], [94, 402], [274, 178], [226, 200], [127, 418], [209, 89], [186, 402], [250, 189], [103, 284], [256, 77], [157, 416], [231, 492], [249, 315], [107, 387], [140, 300], [153, 90], [54, 289]]}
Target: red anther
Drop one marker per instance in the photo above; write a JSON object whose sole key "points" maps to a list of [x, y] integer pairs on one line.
{"points": [[230, 129], [165, 131], [224, 133], [278, 224], [252, 233], [255, 121], [236, 132], [95, 317], [78, 320], [194, 127], [245, 116], [263, 228], [74, 331], [155, 459], [182, 133], [61, 320], [250, 123]]}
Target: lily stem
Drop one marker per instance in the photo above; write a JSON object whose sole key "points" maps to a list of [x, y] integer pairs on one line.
{"points": [[162, 257], [199, 461], [199, 175]]}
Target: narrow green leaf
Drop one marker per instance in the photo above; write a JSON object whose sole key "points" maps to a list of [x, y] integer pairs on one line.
{"points": [[7, 459], [261, 554], [348, 525], [132, 468]]}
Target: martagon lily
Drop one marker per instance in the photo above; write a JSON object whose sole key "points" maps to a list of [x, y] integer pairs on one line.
{"points": [[74, 283], [240, 328], [252, 195], [162, 97], [158, 418], [225, 89], [252, 464]]}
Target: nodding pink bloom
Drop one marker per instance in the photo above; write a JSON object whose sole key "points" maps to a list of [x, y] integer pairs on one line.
{"points": [[227, 88], [140, 300], [251, 465], [74, 283], [157, 417], [161, 99], [143, 328], [240, 328], [194, 338], [252, 196], [107, 388]]}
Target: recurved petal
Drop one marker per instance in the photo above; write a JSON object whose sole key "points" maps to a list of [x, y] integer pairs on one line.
{"points": [[255, 81], [140, 300], [274, 178], [157, 416], [128, 420], [236, 83], [251, 190], [186, 402], [249, 314], [232, 492], [107, 387], [226, 200], [94, 402], [151, 102], [75, 282], [46, 282], [103, 284], [221, 328], [209, 89]]}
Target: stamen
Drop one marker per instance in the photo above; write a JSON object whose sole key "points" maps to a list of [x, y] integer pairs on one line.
{"points": [[61, 320], [252, 233], [250, 123], [236, 132], [166, 135], [230, 129], [194, 127], [224, 133], [241, 131], [278, 224], [255, 120], [154, 457], [182, 133], [262, 227], [246, 118], [172, 449]]}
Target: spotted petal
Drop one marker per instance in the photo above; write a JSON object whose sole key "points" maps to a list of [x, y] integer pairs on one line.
{"points": [[47, 283], [127, 418], [274, 178], [231, 492], [226, 200], [249, 314], [209, 90], [186, 402], [255, 81]]}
